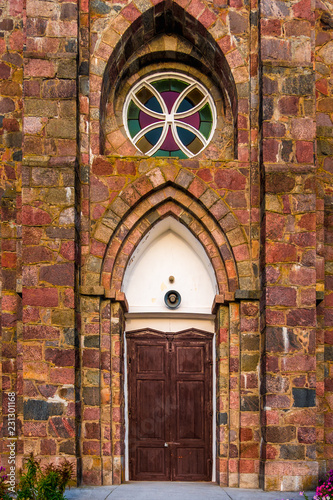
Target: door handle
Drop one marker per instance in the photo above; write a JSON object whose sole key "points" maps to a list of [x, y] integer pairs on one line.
{"points": [[170, 442]]}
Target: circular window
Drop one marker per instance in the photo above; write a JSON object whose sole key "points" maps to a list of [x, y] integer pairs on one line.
{"points": [[169, 114]]}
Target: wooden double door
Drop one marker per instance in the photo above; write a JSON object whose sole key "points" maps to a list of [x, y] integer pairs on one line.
{"points": [[170, 405]]}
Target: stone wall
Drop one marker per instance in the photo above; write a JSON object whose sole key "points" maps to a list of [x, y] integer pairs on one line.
{"points": [[77, 199], [11, 79]]}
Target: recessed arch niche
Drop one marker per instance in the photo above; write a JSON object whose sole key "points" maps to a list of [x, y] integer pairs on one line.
{"points": [[169, 258], [167, 38]]}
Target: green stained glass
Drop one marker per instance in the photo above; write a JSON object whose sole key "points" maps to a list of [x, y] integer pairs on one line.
{"points": [[170, 84], [206, 114], [177, 85], [162, 85], [160, 152], [179, 154], [134, 127], [205, 128], [133, 111]]}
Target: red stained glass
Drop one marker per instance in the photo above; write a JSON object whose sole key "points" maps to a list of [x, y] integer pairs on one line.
{"points": [[169, 143], [170, 99], [146, 120], [193, 120]]}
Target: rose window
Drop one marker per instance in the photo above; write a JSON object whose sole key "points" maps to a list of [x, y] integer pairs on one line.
{"points": [[169, 115]]}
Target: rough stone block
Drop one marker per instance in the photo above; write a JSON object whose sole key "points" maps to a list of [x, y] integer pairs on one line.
{"points": [[304, 397]]}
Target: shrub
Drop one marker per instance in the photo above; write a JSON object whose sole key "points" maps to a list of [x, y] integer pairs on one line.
{"points": [[4, 495], [37, 483]]}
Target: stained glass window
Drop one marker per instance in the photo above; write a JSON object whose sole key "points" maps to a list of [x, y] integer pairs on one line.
{"points": [[169, 114]]}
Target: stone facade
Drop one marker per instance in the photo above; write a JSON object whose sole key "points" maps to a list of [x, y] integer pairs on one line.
{"points": [[77, 198]]}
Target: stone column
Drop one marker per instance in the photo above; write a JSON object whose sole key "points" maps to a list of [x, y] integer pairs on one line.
{"points": [[48, 229], [106, 381], [222, 391], [289, 246], [324, 107], [91, 383], [234, 395], [250, 432], [118, 308], [10, 333]]}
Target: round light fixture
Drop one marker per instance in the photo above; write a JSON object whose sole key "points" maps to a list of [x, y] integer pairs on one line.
{"points": [[172, 299]]}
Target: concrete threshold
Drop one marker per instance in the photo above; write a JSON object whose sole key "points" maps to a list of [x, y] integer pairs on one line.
{"points": [[147, 490]]}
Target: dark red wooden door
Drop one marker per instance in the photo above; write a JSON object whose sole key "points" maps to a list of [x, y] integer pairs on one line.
{"points": [[170, 405]]}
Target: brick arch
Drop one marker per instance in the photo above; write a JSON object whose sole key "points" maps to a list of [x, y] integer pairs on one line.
{"points": [[195, 24], [168, 189], [200, 18], [129, 234]]}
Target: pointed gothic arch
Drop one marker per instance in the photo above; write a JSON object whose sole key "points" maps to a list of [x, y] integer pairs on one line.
{"points": [[150, 198], [124, 55], [116, 266], [164, 191], [169, 257]]}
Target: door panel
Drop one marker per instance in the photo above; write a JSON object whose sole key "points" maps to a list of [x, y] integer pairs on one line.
{"points": [[170, 400], [191, 378], [151, 359], [190, 463], [190, 359], [151, 461], [190, 409], [148, 402], [151, 397]]}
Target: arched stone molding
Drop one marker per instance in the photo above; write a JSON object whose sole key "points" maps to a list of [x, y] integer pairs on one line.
{"points": [[222, 27], [210, 34], [165, 189], [114, 268], [160, 192]]}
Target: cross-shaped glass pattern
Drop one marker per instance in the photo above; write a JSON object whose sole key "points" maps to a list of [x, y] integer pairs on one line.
{"points": [[169, 114]]}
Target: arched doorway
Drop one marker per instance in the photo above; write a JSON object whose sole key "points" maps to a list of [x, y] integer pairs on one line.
{"points": [[169, 358], [136, 219]]}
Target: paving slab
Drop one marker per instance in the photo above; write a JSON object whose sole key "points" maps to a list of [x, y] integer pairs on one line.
{"points": [[142, 490], [90, 493], [243, 494]]}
